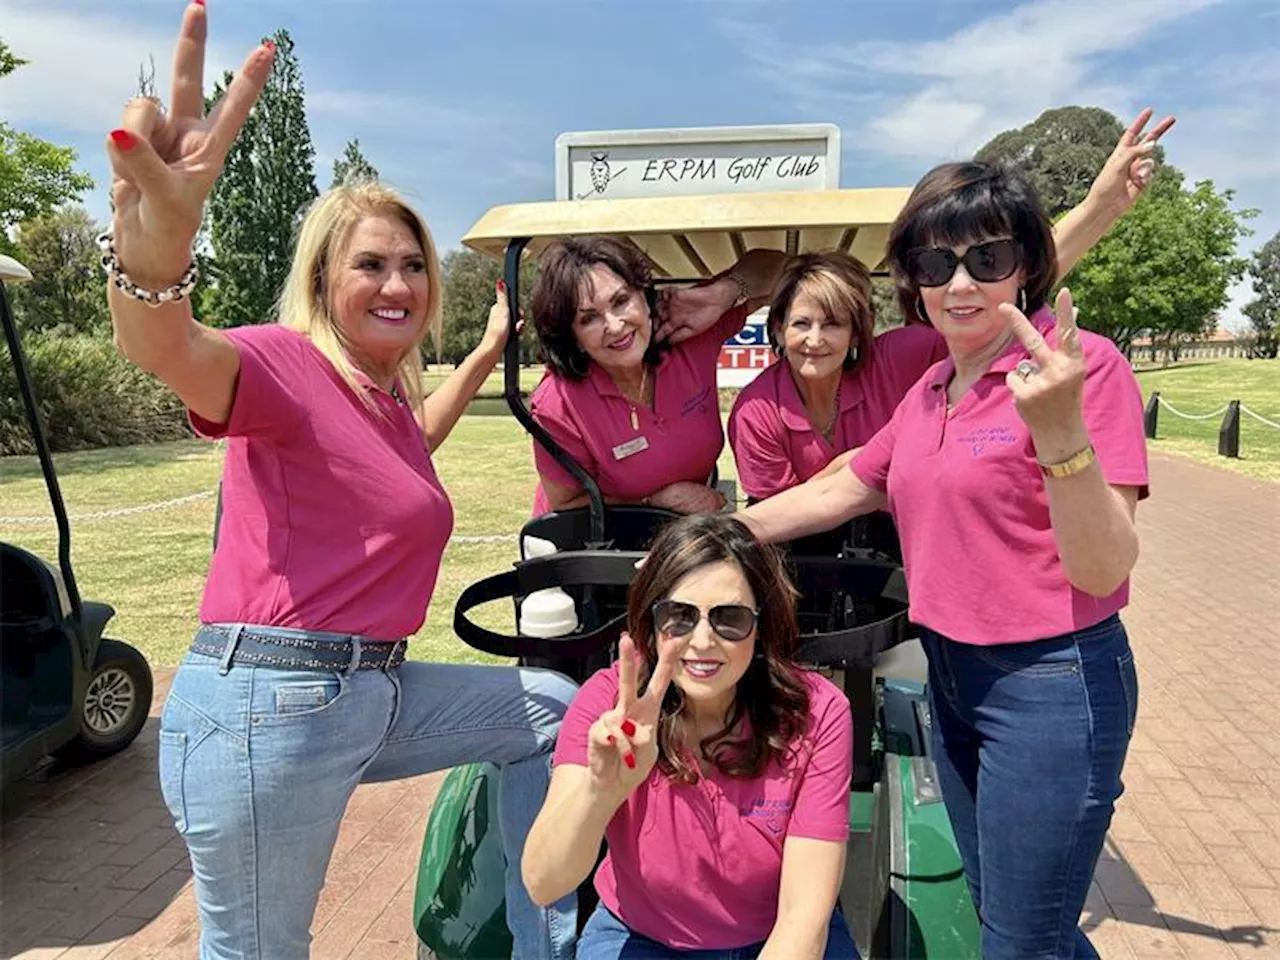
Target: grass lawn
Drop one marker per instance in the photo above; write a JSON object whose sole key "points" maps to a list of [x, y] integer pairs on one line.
{"points": [[151, 565], [1198, 389]]}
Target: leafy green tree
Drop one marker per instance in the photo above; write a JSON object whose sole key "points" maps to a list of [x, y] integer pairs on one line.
{"points": [[352, 166], [469, 292], [35, 175], [1165, 268], [265, 187], [1264, 311], [884, 298], [66, 292], [1061, 151]]}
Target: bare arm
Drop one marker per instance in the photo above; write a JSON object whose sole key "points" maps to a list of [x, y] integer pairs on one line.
{"points": [[1122, 179], [812, 871], [694, 310], [563, 843], [814, 506]]}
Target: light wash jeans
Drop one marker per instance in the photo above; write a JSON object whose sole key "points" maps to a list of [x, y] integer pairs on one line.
{"points": [[257, 765]]}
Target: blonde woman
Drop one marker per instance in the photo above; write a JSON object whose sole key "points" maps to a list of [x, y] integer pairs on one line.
{"points": [[294, 690]]}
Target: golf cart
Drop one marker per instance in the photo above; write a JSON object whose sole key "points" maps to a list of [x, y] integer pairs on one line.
{"points": [[65, 689], [904, 893]]}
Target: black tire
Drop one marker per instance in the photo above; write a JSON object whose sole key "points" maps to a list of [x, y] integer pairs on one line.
{"points": [[116, 703]]}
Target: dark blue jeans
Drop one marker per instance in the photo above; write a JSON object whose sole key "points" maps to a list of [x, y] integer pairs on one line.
{"points": [[608, 938], [1029, 740]]}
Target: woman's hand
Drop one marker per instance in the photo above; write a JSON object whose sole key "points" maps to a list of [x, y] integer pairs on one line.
{"points": [[165, 166], [622, 746], [1048, 390], [685, 496], [690, 311], [498, 329], [1129, 169]]}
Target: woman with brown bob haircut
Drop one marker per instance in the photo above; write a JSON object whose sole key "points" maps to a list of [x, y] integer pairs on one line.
{"points": [[839, 384], [717, 769], [1012, 469]]}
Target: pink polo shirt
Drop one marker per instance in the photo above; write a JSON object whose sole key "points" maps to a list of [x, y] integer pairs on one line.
{"points": [[679, 439], [970, 504], [698, 866], [333, 518], [775, 446]]}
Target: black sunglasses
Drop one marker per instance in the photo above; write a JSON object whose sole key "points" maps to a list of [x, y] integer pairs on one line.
{"points": [[987, 262], [732, 621]]}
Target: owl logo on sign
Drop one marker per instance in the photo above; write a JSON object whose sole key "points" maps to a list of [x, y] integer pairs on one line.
{"points": [[601, 175]]}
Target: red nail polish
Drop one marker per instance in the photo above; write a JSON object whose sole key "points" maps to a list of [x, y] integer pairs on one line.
{"points": [[124, 139], [198, 3], [628, 728], [501, 286], [270, 45], [611, 739], [631, 760]]}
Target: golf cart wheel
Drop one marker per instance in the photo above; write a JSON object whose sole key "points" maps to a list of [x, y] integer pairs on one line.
{"points": [[116, 702]]}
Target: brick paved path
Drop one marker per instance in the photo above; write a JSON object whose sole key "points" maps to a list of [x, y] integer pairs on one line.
{"points": [[91, 866]]}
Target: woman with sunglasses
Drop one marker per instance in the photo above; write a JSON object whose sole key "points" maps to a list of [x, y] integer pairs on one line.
{"points": [[716, 768], [1012, 469], [837, 383]]}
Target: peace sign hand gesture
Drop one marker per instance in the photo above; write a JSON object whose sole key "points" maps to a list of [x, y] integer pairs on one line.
{"points": [[1048, 389], [622, 746], [1129, 169], [165, 166]]}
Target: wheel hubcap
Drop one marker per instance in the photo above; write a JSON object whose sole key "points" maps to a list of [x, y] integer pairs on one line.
{"points": [[109, 701]]}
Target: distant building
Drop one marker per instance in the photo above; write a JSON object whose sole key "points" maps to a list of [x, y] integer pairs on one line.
{"points": [[1219, 344]]}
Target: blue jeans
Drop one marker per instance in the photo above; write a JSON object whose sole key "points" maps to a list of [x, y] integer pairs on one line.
{"points": [[605, 937], [1029, 741], [257, 765]]}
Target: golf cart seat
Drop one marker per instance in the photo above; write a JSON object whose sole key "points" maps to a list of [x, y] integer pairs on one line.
{"points": [[34, 600]]}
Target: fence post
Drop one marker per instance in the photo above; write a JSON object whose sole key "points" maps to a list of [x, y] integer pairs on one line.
{"points": [[1229, 432], [1151, 414]]}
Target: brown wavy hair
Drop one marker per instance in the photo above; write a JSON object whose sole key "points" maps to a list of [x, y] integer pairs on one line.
{"points": [[841, 285], [771, 695]]}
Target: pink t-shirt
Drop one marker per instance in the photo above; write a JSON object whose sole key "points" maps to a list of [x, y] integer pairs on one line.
{"points": [[698, 866], [970, 503], [678, 440], [333, 517], [775, 446]]}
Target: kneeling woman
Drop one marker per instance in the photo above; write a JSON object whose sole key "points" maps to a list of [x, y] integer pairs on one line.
{"points": [[716, 768]]}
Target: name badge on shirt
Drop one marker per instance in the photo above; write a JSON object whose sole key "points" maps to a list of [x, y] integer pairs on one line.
{"points": [[630, 448]]}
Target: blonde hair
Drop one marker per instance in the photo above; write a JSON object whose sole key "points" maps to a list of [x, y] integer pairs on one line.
{"points": [[305, 303]]}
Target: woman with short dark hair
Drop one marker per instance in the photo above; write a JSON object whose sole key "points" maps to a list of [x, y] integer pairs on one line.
{"points": [[1012, 469]]}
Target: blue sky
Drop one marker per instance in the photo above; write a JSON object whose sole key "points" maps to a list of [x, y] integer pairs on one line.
{"points": [[459, 103]]}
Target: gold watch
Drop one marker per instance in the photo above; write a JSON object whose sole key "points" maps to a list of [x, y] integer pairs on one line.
{"points": [[1081, 460]]}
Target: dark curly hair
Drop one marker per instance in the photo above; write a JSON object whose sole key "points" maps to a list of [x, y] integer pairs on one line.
{"points": [[563, 268], [772, 694], [957, 203]]}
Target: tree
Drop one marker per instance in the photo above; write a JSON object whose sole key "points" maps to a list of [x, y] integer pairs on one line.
{"points": [[352, 166], [266, 184], [884, 297], [469, 279], [1165, 268], [1264, 311], [35, 175], [1060, 152], [66, 290]]}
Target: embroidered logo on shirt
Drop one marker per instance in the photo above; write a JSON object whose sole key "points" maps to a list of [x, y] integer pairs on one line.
{"points": [[980, 438], [698, 403], [774, 813]]}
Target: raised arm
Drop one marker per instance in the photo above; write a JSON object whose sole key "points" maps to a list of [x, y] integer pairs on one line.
{"points": [[1123, 178], [442, 409], [163, 169], [694, 310]]}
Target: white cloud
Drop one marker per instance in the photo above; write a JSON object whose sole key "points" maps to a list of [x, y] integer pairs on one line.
{"points": [[82, 69]]}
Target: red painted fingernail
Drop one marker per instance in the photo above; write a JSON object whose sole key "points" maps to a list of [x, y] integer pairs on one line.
{"points": [[630, 760], [198, 3], [628, 728], [124, 139], [501, 286], [611, 740], [270, 45]]}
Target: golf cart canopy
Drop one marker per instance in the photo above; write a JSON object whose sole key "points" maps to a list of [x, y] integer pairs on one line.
{"points": [[691, 238]]}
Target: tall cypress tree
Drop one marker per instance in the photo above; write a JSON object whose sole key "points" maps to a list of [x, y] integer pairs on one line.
{"points": [[265, 187], [353, 166]]}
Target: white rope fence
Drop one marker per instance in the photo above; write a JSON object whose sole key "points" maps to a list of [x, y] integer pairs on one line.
{"points": [[1192, 416], [1259, 417]]}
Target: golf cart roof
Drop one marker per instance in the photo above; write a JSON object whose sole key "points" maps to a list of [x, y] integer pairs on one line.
{"points": [[11, 270], [700, 236]]}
